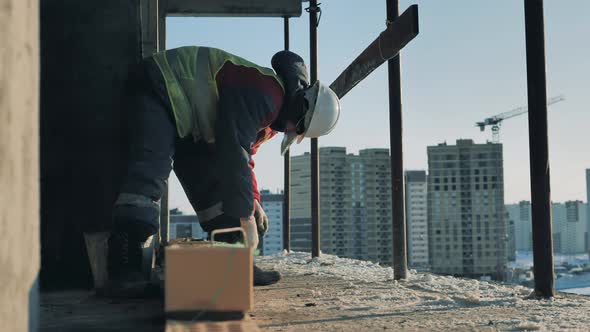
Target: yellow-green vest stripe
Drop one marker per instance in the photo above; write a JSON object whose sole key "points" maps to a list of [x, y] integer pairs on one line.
{"points": [[189, 73]]}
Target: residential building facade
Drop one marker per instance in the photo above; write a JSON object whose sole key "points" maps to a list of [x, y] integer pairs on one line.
{"points": [[417, 218], [511, 245], [355, 203], [467, 229], [570, 227], [272, 203], [520, 215], [181, 225], [300, 203], [569, 221]]}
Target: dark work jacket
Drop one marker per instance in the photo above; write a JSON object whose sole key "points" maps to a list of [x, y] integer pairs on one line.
{"points": [[246, 99]]}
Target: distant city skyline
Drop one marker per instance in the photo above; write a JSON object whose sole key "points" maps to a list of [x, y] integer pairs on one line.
{"points": [[180, 201], [462, 68], [571, 228]]}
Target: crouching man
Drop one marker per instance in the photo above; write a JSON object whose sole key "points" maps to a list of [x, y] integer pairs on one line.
{"points": [[204, 113]]}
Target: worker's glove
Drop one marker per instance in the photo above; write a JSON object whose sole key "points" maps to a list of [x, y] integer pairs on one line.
{"points": [[261, 218], [249, 227]]}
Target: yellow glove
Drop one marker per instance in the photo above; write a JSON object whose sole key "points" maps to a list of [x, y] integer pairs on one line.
{"points": [[261, 218]]}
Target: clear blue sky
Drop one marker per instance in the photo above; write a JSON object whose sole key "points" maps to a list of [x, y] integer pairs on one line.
{"points": [[467, 63]]}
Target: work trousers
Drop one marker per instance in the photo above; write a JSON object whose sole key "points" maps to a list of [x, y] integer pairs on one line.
{"points": [[156, 149]]}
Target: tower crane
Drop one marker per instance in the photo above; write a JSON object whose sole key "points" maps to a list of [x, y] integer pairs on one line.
{"points": [[496, 120]]}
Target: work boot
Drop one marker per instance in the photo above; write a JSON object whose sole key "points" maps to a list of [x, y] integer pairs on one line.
{"points": [[124, 266], [265, 278]]}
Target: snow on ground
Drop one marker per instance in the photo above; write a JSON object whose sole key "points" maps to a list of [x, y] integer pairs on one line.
{"points": [[299, 263], [425, 291], [580, 291]]}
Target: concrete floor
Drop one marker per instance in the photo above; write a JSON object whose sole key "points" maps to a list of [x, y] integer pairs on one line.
{"points": [[75, 311], [312, 302], [326, 303]]}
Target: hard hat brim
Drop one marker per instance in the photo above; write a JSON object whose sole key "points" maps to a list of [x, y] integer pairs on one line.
{"points": [[288, 139], [317, 93], [323, 99], [314, 90]]}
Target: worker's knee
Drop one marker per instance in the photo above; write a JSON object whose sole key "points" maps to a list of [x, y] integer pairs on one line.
{"points": [[136, 214]]}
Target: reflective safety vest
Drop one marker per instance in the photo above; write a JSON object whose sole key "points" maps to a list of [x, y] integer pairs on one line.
{"points": [[190, 75]]}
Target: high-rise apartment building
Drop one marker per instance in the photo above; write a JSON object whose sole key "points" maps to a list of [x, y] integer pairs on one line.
{"points": [[355, 203], [300, 203], [416, 218], [569, 224], [467, 230], [520, 215], [272, 204], [570, 227]]}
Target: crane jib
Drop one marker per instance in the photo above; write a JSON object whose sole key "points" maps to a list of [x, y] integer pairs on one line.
{"points": [[496, 120]]}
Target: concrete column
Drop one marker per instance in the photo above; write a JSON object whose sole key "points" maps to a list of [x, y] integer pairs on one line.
{"points": [[87, 49], [19, 164]]}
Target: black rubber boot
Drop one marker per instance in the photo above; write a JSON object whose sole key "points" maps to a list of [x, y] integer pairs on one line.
{"points": [[124, 266], [265, 278], [141, 221]]}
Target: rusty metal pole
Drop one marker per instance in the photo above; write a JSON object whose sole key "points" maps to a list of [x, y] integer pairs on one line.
{"points": [[539, 149], [315, 157], [287, 178], [400, 262]]}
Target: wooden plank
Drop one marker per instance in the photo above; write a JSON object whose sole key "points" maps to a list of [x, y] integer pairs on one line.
{"points": [[387, 45], [255, 8], [183, 326]]}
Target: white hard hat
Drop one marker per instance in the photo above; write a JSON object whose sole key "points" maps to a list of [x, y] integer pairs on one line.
{"points": [[321, 116]]}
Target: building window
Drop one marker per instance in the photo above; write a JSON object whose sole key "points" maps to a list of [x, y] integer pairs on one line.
{"points": [[184, 231]]}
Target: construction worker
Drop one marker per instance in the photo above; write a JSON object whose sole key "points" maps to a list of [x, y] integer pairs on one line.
{"points": [[204, 112]]}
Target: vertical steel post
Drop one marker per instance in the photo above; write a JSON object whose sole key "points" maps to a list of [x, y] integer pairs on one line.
{"points": [[539, 150], [400, 263], [287, 178], [315, 157], [164, 213]]}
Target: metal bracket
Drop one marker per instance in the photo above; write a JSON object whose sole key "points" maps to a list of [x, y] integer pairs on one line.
{"points": [[316, 9]]}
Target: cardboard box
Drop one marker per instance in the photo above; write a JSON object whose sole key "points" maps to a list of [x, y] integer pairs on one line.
{"points": [[201, 276]]}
